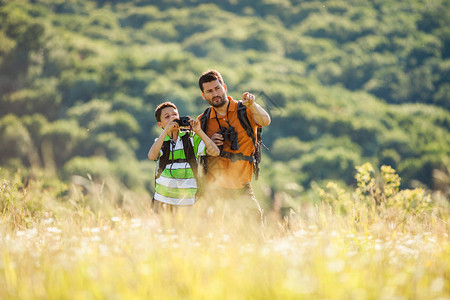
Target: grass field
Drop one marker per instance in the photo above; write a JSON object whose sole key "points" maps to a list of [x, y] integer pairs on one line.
{"points": [[80, 244]]}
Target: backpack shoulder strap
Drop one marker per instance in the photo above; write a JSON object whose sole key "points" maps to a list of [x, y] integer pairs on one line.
{"points": [[243, 119], [164, 159], [189, 153], [245, 123], [204, 121], [204, 118]]}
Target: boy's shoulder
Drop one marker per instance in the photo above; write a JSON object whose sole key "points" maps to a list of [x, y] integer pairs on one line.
{"points": [[184, 133]]}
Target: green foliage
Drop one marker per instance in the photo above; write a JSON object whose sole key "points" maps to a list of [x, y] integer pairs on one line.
{"points": [[35, 124], [97, 239], [16, 140], [18, 208], [26, 198], [329, 26], [107, 144], [288, 148], [61, 141], [81, 88], [326, 158], [87, 114], [139, 17], [6, 45], [42, 97], [97, 167], [378, 197], [384, 193], [96, 116], [100, 169], [345, 82], [340, 80], [329, 164]]}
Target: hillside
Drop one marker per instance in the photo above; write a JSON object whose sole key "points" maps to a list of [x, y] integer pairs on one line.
{"points": [[344, 82]]}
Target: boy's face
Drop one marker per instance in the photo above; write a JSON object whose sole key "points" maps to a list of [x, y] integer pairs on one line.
{"points": [[167, 114]]}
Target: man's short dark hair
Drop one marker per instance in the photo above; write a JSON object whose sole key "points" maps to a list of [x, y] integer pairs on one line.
{"points": [[160, 107], [208, 76]]}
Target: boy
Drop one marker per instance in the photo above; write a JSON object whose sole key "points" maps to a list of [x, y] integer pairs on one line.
{"points": [[176, 183]]}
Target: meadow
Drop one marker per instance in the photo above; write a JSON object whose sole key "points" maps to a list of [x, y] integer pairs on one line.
{"points": [[345, 82], [88, 240]]}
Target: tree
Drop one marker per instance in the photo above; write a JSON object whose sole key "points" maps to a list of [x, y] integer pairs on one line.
{"points": [[61, 140], [16, 140]]}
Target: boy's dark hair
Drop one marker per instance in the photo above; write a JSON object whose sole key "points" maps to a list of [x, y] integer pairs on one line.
{"points": [[160, 107], [208, 76]]}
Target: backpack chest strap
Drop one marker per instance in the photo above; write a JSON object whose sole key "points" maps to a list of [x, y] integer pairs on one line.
{"points": [[179, 160], [236, 156], [164, 160]]}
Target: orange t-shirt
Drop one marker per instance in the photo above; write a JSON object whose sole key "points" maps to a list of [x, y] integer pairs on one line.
{"points": [[222, 171]]}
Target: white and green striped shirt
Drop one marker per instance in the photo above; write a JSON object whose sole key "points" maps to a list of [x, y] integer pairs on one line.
{"points": [[177, 184]]}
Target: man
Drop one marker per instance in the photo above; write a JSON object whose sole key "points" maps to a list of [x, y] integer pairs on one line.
{"points": [[232, 171]]}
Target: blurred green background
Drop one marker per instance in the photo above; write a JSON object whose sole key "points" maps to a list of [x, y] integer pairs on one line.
{"points": [[346, 82]]}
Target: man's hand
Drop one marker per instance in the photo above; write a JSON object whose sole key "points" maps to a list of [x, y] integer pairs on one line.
{"points": [[260, 116], [248, 99], [217, 138]]}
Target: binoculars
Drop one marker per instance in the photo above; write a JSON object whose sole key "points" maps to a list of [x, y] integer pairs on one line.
{"points": [[183, 121], [229, 134]]}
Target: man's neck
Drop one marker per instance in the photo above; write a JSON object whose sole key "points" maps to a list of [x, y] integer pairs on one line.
{"points": [[222, 110]]}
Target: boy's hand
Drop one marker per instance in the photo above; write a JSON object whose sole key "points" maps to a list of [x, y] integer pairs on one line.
{"points": [[248, 99], [172, 125], [195, 124]]}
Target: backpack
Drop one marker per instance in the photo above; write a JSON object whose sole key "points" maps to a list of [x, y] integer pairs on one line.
{"points": [[245, 123], [188, 152]]}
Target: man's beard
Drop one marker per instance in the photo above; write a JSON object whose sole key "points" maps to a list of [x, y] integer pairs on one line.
{"points": [[218, 104]]}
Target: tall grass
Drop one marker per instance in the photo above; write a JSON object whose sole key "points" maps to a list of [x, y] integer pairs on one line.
{"points": [[96, 241]]}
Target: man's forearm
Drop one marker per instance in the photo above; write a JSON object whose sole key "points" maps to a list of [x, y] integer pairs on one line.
{"points": [[261, 117]]}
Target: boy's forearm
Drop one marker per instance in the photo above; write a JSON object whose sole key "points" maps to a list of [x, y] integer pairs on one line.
{"points": [[211, 147], [153, 153]]}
